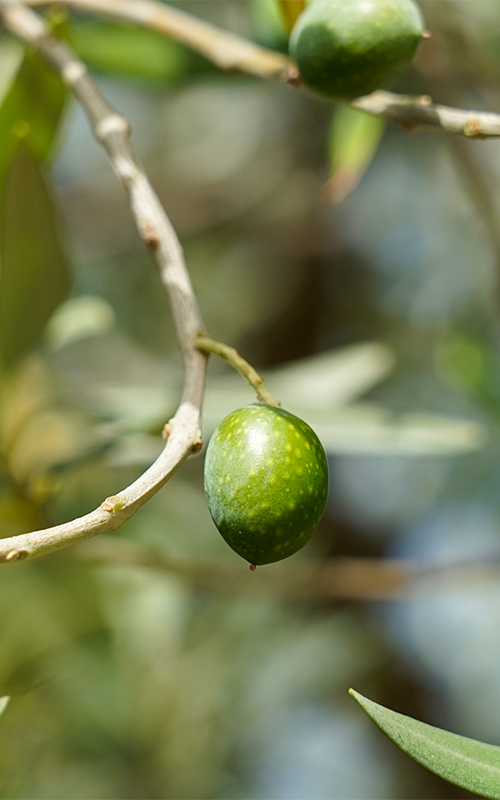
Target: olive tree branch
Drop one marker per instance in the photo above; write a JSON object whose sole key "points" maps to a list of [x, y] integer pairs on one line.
{"points": [[226, 50], [412, 113], [229, 354], [184, 435], [229, 51]]}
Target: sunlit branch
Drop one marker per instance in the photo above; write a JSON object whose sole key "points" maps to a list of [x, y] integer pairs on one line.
{"points": [[226, 50], [229, 51], [155, 229], [413, 113]]}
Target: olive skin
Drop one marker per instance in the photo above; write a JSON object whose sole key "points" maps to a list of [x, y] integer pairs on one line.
{"points": [[266, 482], [349, 48]]}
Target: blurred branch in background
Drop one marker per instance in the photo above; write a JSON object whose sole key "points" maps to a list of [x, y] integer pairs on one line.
{"points": [[342, 578], [480, 189], [229, 51], [154, 227]]}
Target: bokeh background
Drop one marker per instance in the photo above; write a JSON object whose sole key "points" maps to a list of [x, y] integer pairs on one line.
{"points": [[151, 664]]}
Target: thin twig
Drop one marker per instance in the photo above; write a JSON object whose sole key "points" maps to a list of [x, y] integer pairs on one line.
{"points": [[226, 50], [112, 131], [231, 355], [412, 113], [229, 51]]}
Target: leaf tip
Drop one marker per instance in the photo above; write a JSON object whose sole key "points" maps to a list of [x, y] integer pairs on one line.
{"points": [[4, 702]]}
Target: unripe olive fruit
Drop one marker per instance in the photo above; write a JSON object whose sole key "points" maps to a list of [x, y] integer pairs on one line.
{"points": [[349, 48], [266, 482]]}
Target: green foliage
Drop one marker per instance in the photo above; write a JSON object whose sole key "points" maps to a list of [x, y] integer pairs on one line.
{"points": [[354, 140], [34, 275], [465, 762], [130, 52], [266, 480], [344, 50], [32, 100], [268, 25], [4, 702], [290, 11]]}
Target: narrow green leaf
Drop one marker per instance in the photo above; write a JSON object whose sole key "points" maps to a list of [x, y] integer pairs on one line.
{"points": [[4, 702], [354, 139], [290, 11], [34, 277], [464, 762], [32, 99], [129, 51], [267, 25]]}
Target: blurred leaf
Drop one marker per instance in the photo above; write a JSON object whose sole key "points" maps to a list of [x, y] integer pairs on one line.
{"points": [[79, 318], [465, 762], [34, 276], [4, 702], [320, 389], [290, 11], [354, 139], [318, 383], [130, 51], [333, 378], [32, 99], [372, 429], [268, 26], [17, 514], [467, 362]]}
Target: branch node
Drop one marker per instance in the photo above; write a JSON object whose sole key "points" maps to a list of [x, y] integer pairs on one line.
{"points": [[112, 123], [473, 129], [424, 100], [197, 445], [113, 503], [150, 238], [167, 430], [292, 78], [16, 555], [73, 72]]}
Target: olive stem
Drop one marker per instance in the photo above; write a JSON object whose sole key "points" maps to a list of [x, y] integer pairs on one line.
{"points": [[207, 345]]}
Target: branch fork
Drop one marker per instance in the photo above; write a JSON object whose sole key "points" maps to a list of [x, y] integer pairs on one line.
{"points": [[183, 433]]}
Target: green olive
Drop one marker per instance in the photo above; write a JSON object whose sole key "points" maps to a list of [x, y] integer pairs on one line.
{"points": [[266, 482], [349, 48]]}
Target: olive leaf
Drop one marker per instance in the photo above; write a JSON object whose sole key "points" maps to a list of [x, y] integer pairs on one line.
{"points": [[290, 11], [465, 762], [321, 390], [4, 702], [131, 52], [34, 276], [353, 142], [32, 99]]}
